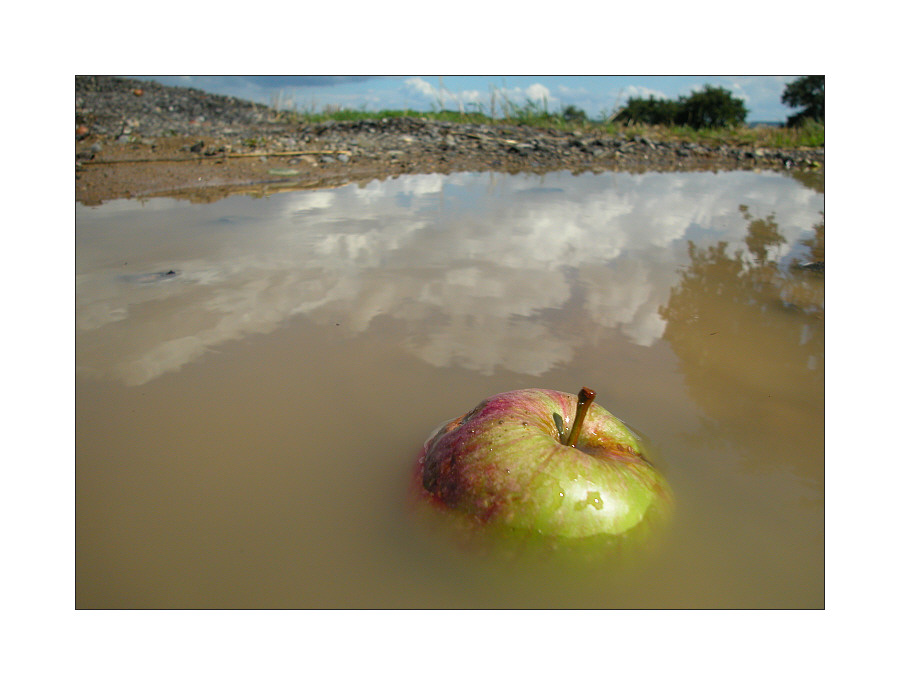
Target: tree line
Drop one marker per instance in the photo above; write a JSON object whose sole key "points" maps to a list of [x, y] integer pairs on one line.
{"points": [[716, 107]]}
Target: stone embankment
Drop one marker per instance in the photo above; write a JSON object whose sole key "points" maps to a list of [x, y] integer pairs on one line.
{"points": [[138, 138]]}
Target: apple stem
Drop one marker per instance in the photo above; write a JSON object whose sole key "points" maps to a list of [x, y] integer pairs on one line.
{"points": [[585, 397]]}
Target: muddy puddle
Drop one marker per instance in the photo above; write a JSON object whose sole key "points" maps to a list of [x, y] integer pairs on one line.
{"points": [[254, 377]]}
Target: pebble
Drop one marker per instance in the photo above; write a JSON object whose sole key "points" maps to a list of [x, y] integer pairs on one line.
{"points": [[107, 109]]}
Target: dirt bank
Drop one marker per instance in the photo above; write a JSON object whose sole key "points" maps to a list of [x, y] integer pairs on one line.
{"points": [[141, 139]]}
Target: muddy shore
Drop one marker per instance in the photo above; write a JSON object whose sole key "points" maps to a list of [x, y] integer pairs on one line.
{"points": [[140, 139]]}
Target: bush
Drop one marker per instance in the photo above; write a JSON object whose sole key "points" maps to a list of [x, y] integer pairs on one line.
{"points": [[710, 108], [574, 114], [650, 111]]}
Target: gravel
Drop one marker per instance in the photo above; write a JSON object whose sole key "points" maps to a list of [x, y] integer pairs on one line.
{"points": [[139, 138]]}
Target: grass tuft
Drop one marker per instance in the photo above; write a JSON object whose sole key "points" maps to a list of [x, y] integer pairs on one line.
{"points": [[537, 115]]}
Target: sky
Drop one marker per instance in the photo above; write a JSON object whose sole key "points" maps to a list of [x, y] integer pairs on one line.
{"points": [[598, 96]]}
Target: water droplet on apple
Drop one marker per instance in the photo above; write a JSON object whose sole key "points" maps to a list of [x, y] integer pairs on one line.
{"points": [[592, 499]]}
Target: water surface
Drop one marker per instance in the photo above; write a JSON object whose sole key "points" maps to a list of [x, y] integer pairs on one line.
{"points": [[256, 375]]}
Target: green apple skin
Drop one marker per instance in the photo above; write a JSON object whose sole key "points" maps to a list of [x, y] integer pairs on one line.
{"points": [[505, 463]]}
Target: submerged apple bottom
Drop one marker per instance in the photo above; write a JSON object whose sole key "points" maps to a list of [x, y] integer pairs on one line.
{"points": [[503, 465]]}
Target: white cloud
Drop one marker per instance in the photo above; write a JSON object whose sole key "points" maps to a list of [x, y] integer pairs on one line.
{"points": [[568, 91], [538, 92], [420, 86], [641, 92], [431, 95]]}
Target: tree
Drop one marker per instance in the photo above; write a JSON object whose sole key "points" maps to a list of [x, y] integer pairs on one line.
{"points": [[807, 92], [650, 111], [710, 108], [573, 113]]}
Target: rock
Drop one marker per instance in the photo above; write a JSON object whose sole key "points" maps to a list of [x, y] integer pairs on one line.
{"points": [[146, 278], [172, 119], [579, 143], [818, 267]]}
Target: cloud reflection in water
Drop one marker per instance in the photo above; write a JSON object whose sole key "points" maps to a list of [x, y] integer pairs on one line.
{"points": [[479, 268]]}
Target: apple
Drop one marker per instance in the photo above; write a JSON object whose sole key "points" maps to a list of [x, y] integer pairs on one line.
{"points": [[543, 462]]}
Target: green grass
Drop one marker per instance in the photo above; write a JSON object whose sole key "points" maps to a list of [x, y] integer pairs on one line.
{"points": [[534, 114], [808, 134]]}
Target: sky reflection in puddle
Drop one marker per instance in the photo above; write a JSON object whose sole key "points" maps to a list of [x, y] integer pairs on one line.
{"points": [[479, 268]]}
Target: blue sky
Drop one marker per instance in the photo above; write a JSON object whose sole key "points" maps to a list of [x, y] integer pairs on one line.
{"points": [[596, 95]]}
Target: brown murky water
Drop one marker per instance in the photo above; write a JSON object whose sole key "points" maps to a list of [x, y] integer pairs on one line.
{"points": [[255, 376]]}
